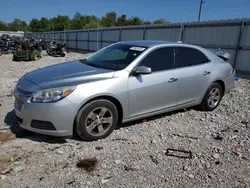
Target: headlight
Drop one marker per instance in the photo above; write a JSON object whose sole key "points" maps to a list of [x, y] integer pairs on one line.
{"points": [[51, 95]]}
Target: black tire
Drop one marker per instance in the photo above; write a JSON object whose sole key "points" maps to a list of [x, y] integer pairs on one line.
{"points": [[83, 113], [205, 102], [63, 54], [48, 52]]}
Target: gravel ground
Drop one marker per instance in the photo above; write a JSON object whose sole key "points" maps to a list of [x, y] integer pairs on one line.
{"points": [[135, 155]]}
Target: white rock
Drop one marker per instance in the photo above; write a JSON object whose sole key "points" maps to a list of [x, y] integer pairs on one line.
{"points": [[118, 161], [5, 171], [104, 165], [207, 165], [216, 155], [233, 137], [104, 181], [186, 168], [59, 152], [3, 177], [18, 169], [191, 176]]}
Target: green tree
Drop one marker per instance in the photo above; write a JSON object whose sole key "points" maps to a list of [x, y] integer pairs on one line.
{"points": [[44, 24], [161, 21], [92, 24], [80, 21], [34, 25], [3, 26], [109, 20], [121, 20], [147, 23], [134, 21], [76, 21], [60, 23], [17, 25]]}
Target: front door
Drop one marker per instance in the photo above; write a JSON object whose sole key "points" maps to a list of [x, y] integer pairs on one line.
{"points": [[155, 91]]}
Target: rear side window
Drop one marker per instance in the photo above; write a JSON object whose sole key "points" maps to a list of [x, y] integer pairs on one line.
{"points": [[189, 57], [159, 59]]}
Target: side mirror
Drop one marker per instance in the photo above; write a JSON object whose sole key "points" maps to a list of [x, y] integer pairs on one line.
{"points": [[143, 70]]}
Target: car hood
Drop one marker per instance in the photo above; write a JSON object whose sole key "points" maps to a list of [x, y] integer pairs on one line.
{"points": [[66, 74]]}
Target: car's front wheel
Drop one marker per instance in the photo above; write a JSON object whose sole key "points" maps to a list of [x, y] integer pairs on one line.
{"points": [[96, 120], [212, 97]]}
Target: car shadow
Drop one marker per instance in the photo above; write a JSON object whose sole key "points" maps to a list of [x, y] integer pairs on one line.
{"points": [[12, 122], [151, 118]]}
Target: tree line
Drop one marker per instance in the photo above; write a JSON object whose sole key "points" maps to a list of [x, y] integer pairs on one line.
{"points": [[79, 21]]}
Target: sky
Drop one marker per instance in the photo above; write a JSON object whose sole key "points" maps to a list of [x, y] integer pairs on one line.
{"points": [[172, 10]]}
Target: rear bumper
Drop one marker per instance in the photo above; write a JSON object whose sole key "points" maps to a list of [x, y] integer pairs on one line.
{"points": [[229, 82]]}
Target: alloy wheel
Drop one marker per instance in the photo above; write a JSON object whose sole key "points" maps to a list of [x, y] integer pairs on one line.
{"points": [[214, 97], [99, 121]]}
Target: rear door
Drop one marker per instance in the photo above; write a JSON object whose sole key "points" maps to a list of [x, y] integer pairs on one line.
{"points": [[195, 74], [155, 91]]}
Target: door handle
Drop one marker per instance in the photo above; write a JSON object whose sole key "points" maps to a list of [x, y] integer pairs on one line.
{"points": [[172, 80], [206, 73]]}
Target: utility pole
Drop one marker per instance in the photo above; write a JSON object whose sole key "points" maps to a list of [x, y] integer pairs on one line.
{"points": [[97, 36], [199, 17], [183, 17]]}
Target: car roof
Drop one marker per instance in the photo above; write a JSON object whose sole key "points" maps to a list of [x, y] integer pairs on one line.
{"points": [[152, 43], [147, 43]]}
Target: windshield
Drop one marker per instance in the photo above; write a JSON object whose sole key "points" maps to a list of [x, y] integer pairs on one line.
{"points": [[115, 57]]}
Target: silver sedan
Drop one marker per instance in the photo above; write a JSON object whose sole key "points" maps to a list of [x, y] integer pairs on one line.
{"points": [[122, 82]]}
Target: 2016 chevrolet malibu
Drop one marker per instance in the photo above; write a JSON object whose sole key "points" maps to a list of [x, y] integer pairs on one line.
{"points": [[122, 82]]}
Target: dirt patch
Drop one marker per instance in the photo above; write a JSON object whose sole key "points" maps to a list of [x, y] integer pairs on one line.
{"points": [[6, 136]]}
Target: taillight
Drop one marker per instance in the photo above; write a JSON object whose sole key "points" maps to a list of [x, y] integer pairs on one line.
{"points": [[224, 58]]}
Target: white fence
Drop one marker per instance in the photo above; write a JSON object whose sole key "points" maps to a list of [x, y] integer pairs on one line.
{"points": [[229, 35], [12, 33]]}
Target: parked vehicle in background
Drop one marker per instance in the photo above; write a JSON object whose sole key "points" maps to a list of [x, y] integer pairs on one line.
{"points": [[8, 43], [122, 82], [56, 49], [27, 49], [43, 44]]}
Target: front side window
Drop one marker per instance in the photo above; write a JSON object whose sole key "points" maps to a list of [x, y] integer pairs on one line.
{"points": [[115, 57], [159, 59], [189, 56]]}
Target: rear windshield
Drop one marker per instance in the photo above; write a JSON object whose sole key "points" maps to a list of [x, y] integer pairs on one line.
{"points": [[115, 57]]}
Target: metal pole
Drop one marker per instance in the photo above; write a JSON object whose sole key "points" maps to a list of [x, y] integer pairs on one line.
{"points": [[46, 34], [64, 36], [67, 39], [120, 34], [101, 38], [183, 17], [97, 36], [199, 17], [144, 33], [238, 43], [88, 41], [76, 41]]}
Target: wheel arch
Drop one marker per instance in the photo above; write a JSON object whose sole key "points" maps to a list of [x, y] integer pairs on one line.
{"points": [[219, 81], [110, 98]]}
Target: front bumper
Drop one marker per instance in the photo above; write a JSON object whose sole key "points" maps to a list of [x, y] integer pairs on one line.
{"points": [[59, 115]]}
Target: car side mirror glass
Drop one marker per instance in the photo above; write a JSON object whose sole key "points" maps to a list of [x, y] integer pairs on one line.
{"points": [[143, 70]]}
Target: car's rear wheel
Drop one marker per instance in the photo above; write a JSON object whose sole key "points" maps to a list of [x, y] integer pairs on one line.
{"points": [[212, 97], [96, 120]]}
